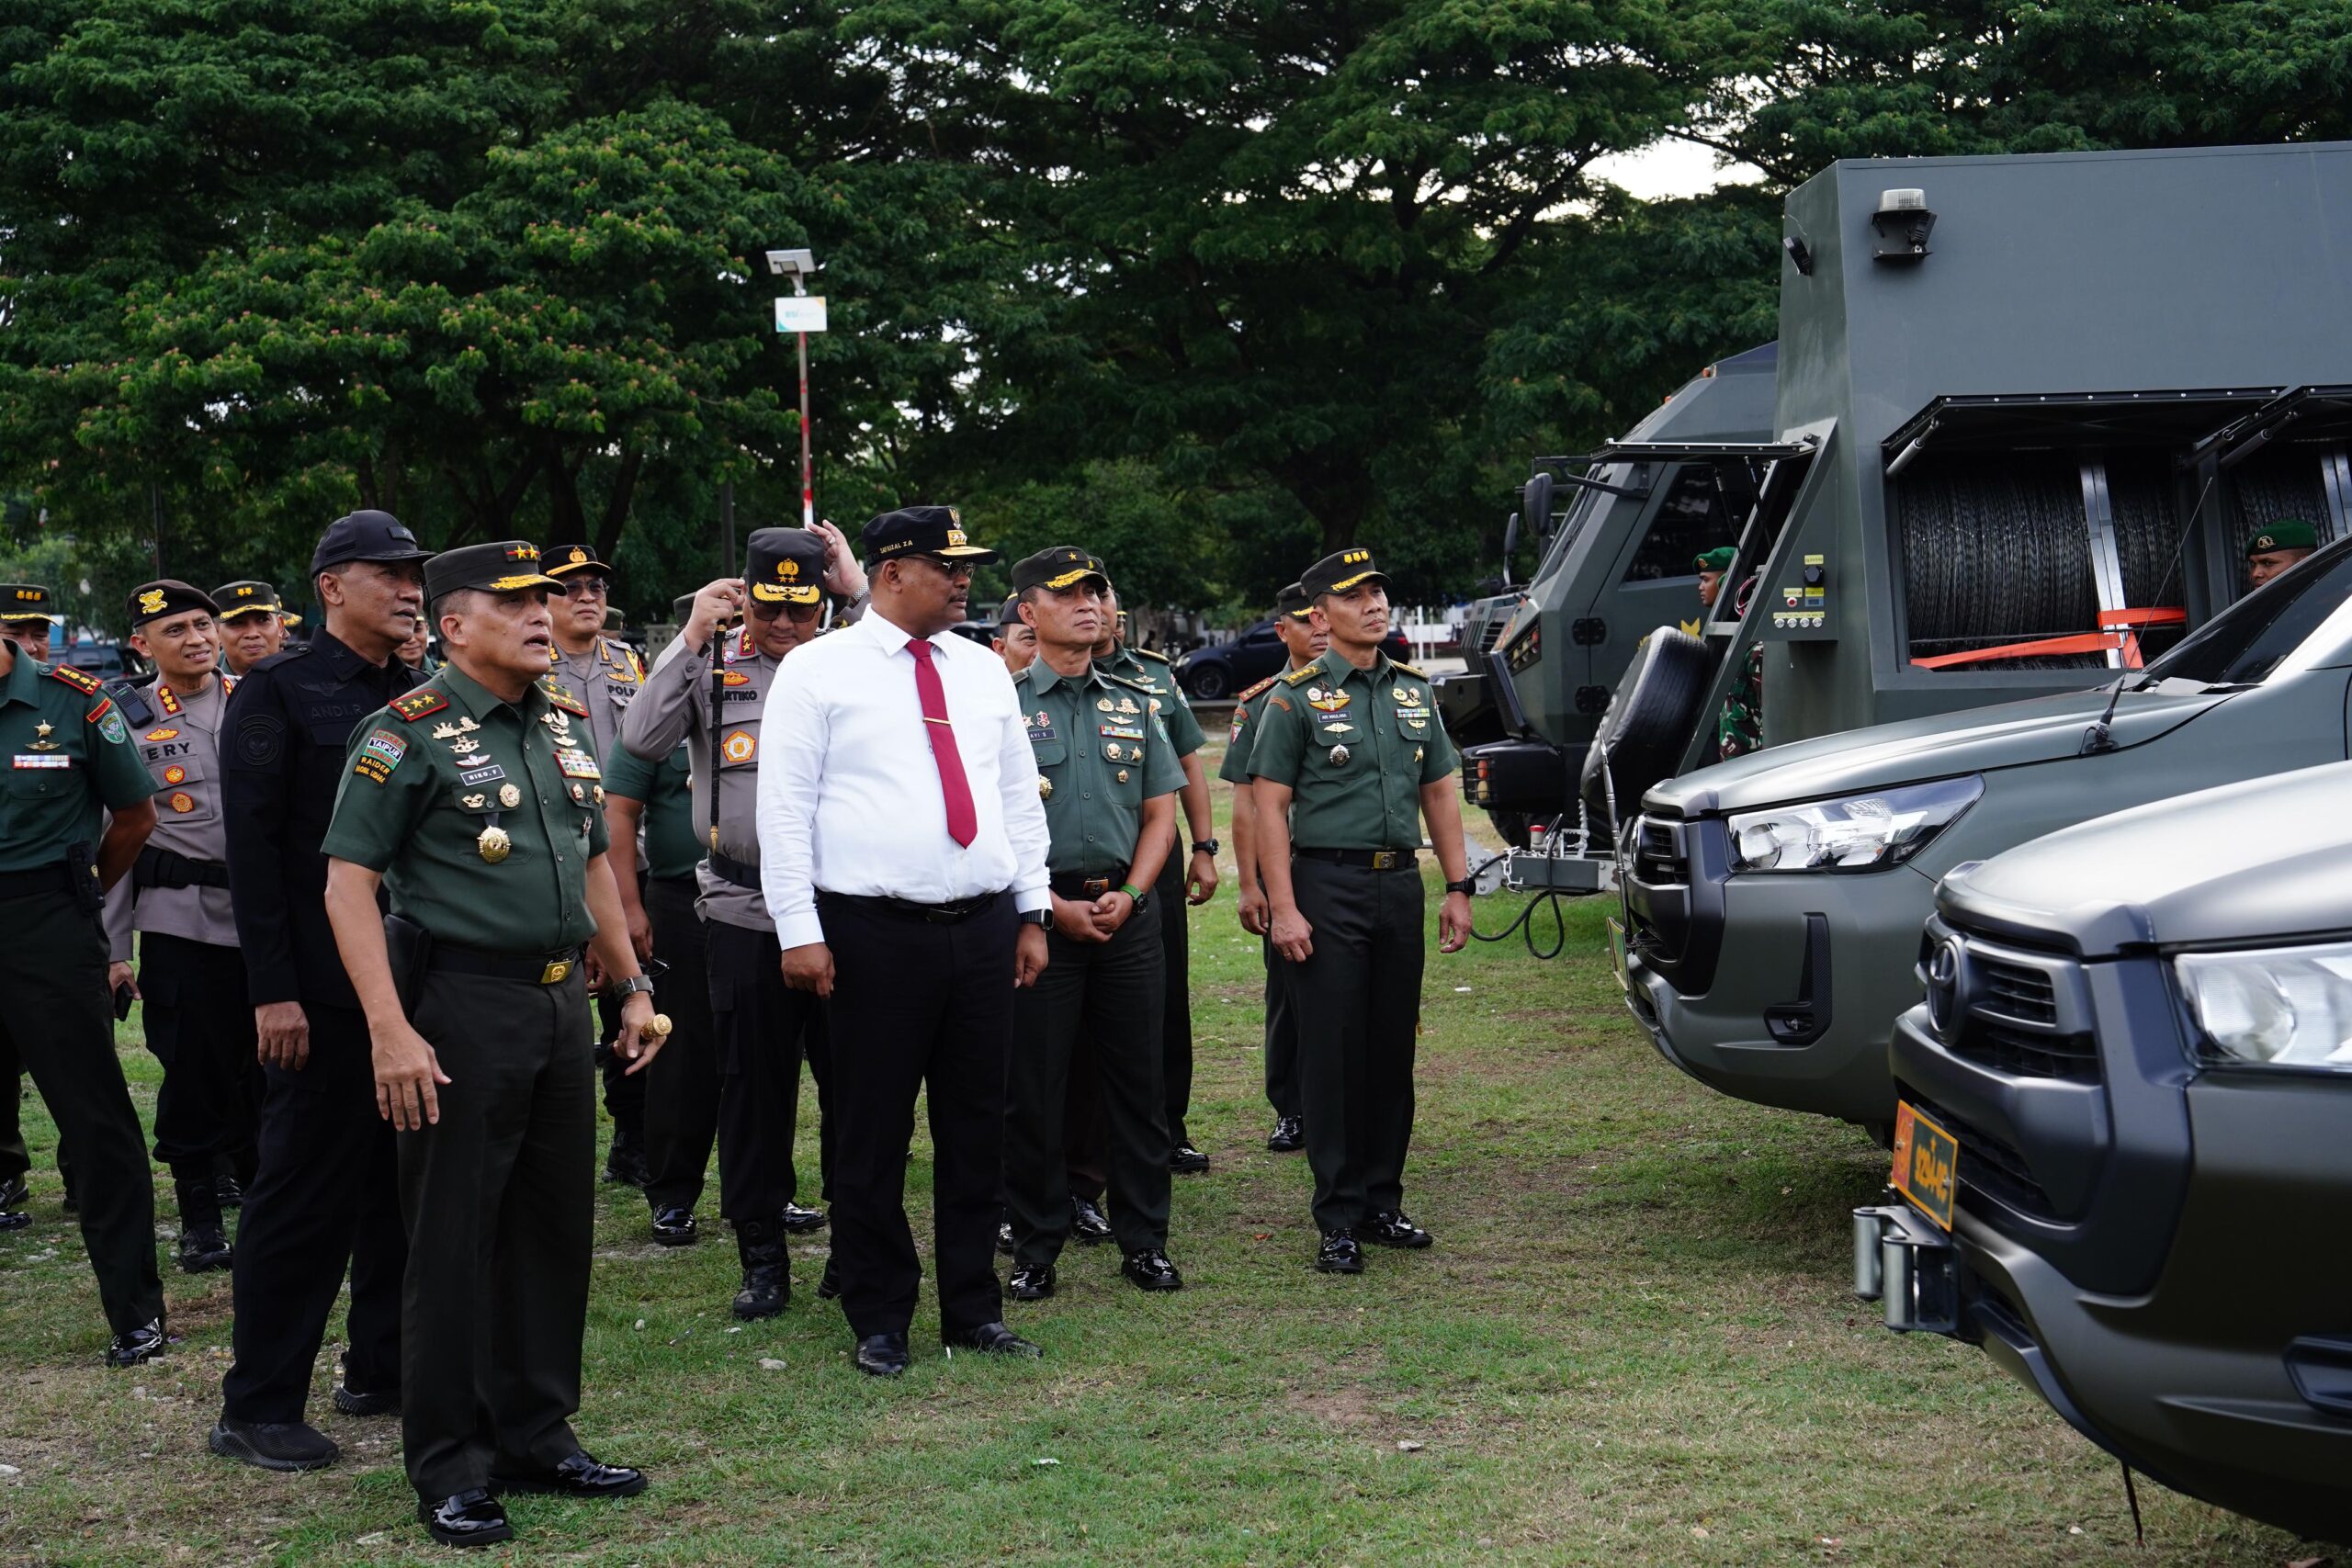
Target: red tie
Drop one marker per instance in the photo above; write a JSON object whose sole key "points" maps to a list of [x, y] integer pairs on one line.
{"points": [[962, 822]]}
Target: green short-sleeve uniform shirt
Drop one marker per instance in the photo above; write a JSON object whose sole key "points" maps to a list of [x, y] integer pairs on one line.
{"points": [[1152, 672], [666, 788], [481, 815], [1249, 710], [1101, 752], [1355, 746], [69, 753]]}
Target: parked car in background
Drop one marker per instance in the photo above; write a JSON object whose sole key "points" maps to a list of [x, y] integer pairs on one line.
{"points": [[1223, 670], [2123, 1146], [106, 661]]}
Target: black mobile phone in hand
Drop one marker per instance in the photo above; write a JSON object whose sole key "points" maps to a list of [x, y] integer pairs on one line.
{"points": [[123, 997]]}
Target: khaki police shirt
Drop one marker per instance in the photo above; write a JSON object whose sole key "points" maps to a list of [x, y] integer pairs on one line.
{"points": [[181, 746], [1355, 746], [70, 760], [426, 778], [1100, 754], [676, 705], [605, 679]]}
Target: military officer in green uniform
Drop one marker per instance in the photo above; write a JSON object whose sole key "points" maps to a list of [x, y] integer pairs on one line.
{"points": [[254, 622], [1349, 761], [476, 801], [1108, 776], [2276, 546], [1015, 641], [1186, 881], [25, 623], [69, 762], [1294, 624]]}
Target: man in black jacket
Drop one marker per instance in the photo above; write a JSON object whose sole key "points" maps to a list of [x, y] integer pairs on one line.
{"points": [[324, 1193]]}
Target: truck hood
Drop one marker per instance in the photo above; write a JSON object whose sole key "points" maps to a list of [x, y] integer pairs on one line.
{"points": [[2244, 863], [1939, 746]]}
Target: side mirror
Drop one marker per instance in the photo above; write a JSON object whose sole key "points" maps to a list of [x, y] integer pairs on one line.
{"points": [[1535, 504], [1510, 543]]}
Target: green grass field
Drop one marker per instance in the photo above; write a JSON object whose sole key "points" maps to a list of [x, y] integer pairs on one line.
{"points": [[1634, 1342]]}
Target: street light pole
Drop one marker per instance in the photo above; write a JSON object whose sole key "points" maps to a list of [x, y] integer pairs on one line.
{"points": [[797, 266]]}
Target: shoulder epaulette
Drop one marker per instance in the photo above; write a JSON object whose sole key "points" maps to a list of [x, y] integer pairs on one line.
{"points": [[80, 680], [1293, 677], [1147, 653], [1129, 682], [229, 683], [1253, 691], [1407, 669], [564, 699], [417, 704]]}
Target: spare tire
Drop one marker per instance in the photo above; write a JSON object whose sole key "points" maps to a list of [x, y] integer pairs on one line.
{"points": [[1648, 723]]}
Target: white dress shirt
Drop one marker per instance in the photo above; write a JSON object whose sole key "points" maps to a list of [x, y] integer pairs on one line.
{"points": [[851, 799]]}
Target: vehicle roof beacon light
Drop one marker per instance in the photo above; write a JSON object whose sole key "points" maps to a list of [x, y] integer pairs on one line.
{"points": [[1902, 224]]}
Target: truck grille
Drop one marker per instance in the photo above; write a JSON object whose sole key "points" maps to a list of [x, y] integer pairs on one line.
{"points": [[2027, 995], [1657, 859], [2000, 1013], [1492, 633], [1989, 1164]]}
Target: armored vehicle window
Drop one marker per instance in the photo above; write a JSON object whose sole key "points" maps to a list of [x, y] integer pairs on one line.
{"points": [[2246, 642], [1703, 510]]}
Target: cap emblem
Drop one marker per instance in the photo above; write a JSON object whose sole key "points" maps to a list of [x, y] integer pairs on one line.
{"points": [[955, 539], [2265, 543], [788, 569], [578, 555], [150, 602]]}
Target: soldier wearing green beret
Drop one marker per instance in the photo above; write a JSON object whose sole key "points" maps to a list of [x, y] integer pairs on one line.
{"points": [[1712, 566], [476, 800], [1108, 777], [1294, 623], [1349, 761], [2277, 545]]}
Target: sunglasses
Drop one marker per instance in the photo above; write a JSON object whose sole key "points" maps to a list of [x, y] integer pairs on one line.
{"points": [[796, 612], [586, 587], [941, 563]]}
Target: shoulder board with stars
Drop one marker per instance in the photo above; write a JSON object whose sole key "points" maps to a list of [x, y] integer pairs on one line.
{"points": [[1131, 682], [417, 704], [1253, 691], [1403, 669], [229, 683], [564, 699], [1303, 674], [82, 681]]}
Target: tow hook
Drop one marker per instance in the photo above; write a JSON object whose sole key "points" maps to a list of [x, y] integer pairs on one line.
{"points": [[1903, 1260]]}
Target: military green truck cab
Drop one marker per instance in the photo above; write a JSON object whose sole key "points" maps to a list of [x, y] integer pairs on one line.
{"points": [[1616, 534], [2125, 1158]]}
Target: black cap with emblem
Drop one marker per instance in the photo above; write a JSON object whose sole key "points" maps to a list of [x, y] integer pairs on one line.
{"points": [[27, 602], [1009, 613], [1293, 601], [562, 560], [1337, 573], [921, 531], [167, 596], [249, 596], [1058, 567], [502, 568], [784, 566], [366, 536]]}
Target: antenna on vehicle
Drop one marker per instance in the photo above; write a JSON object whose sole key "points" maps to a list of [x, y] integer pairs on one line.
{"points": [[2098, 737]]}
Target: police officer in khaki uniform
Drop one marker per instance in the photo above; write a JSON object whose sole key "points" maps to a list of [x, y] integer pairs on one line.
{"points": [[1349, 761], [25, 624], [477, 802], [69, 762], [1293, 623], [253, 622], [761, 1026], [1107, 774], [199, 1016]]}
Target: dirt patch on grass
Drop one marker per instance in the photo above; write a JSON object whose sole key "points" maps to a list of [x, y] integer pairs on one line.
{"points": [[1343, 1407]]}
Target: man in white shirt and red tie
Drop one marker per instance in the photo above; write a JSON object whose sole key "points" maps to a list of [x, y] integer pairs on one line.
{"points": [[902, 854]]}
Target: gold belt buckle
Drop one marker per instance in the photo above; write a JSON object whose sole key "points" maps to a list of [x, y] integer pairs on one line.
{"points": [[558, 971], [1095, 886], [1383, 860]]}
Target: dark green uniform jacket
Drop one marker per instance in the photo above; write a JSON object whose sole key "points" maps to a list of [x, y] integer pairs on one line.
{"points": [[1355, 746], [69, 755], [1101, 753]]}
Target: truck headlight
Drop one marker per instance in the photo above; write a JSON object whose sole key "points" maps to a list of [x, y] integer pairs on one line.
{"points": [[1854, 832], [2274, 1006]]}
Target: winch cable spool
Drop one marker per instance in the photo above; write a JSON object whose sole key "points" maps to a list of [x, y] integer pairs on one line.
{"points": [[1995, 554], [2278, 483]]}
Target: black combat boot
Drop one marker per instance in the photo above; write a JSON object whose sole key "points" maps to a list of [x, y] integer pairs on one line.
{"points": [[768, 1273], [204, 1244]]}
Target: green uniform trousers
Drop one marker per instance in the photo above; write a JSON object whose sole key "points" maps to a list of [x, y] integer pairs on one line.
{"points": [[60, 1023], [1282, 1036], [499, 1196], [1358, 1002]]}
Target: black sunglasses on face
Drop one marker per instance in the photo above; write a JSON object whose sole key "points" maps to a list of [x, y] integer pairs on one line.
{"points": [[796, 612]]}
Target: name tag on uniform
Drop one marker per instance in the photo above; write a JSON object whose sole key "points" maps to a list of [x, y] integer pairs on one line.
{"points": [[489, 774], [577, 764], [43, 760]]}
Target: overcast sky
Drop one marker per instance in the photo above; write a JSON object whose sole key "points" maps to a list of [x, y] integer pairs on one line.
{"points": [[1671, 168]]}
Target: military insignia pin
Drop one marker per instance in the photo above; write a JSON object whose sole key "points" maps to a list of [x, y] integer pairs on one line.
{"points": [[1339, 755], [493, 845], [509, 797], [1044, 789]]}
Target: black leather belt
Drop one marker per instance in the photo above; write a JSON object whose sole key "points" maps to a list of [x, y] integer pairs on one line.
{"points": [[1075, 887], [58, 878], [935, 914], [727, 868], [163, 868], [1374, 860], [538, 969]]}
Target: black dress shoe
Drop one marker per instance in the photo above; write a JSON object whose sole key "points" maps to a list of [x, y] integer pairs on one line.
{"points": [[467, 1519], [14, 1219], [1151, 1270], [675, 1226], [828, 1287], [882, 1355], [227, 1191], [352, 1402], [143, 1343], [1004, 1237], [800, 1222], [1390, 1228], [991, 1340], [203, 1248], [1340, 1253], [1288, 1137], [272, 1445], [1032, 1282], [578, 1475], [1186, 1160], [624, 1163], [14, 1194], [1087, 1222]]}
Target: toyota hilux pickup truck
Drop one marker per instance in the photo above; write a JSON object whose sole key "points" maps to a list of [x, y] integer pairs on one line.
{"points": [[2124, 1151], [1771, 905]]}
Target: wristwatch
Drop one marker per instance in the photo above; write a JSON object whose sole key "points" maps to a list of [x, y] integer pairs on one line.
{"points": [[1207, 847], [633, 985], [1466, 886], [1042, 919]]}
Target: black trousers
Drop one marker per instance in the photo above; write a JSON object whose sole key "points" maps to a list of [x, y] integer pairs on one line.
{"points": [[682, 1085], [1086, 1126], [930, 1006], [500, 1198], [16, 1160], [200, 1027], [1282, 1037], [1176, 997], [763, 1026], [323, 1196], [59, 1024], [1358, 1002], [1105, 996], [624, 1092]]}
